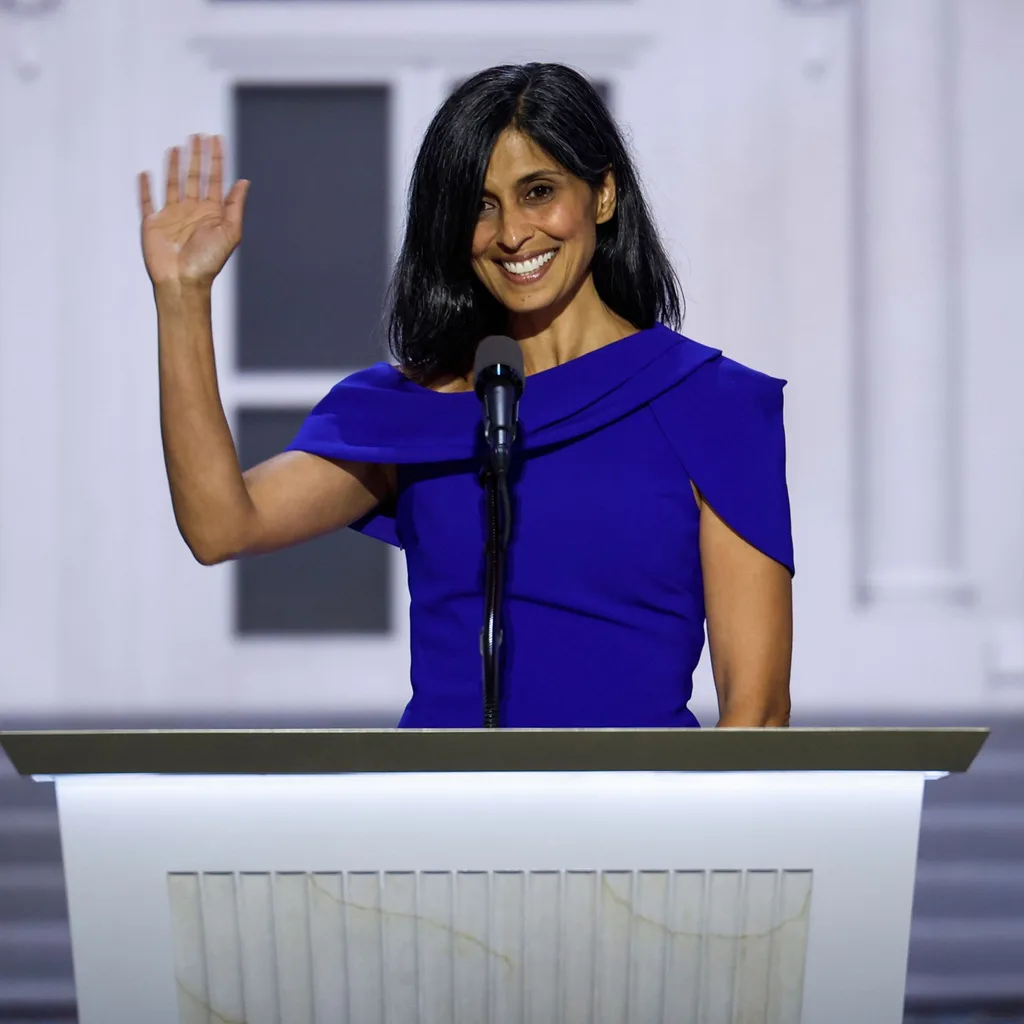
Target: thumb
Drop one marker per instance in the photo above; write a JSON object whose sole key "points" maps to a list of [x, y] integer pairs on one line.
{"points": [[234, 204]]}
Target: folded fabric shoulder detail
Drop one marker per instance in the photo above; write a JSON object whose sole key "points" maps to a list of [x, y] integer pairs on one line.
{"points": [[367, 417], [725, 423], [723, 419]]}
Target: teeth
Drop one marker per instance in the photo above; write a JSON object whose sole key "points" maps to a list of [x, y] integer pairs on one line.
{"points": [[529, 266]]}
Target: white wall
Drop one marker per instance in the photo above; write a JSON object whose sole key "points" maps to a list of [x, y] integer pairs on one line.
{"points": [[840, 184]]}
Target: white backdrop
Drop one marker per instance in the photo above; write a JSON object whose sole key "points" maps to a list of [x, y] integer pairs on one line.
{"points": [[840, 186]]}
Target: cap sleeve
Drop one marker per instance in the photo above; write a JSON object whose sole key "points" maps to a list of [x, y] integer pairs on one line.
{"points": [[331, 430], [725, 423]]}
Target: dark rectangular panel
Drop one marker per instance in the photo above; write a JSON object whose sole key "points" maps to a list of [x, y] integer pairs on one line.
{"points": [[313, 265], [334, 584]]}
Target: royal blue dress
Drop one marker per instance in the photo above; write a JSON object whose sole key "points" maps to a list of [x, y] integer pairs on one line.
{"points": [[604, 606]]}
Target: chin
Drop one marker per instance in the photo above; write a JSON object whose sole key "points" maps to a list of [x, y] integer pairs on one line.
{"points": [[527, 303], [519, 304]]}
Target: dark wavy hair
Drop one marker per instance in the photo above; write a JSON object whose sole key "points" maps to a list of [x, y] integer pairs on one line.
{"points": [[439, 309]]}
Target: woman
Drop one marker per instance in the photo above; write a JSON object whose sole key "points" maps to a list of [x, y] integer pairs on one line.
{"points": [[650, 487]]}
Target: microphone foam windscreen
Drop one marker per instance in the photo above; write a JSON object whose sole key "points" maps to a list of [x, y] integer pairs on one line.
{"points": [[495, 350]]}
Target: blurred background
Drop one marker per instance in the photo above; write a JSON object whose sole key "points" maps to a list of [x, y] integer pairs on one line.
{"points": [[840, 183]]}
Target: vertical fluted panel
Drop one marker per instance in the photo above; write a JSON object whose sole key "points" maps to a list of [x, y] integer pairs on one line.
{"points": [[543, 931], [436, 939], [189, 948], [365, 936], [615, 901], [258, 942], [687, 948], [472, 946], [753, 963], [294, 957], [579, 946], [789, 946], [649, 946], [399, 914], [327, 942], [223, 949], [721, 926], [508, 947]]}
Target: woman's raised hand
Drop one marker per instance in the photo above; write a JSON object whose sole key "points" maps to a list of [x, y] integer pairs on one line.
{"points": [[189, 240]]}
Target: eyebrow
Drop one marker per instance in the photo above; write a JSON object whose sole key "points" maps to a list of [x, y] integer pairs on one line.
{"points": [[533, 176]]}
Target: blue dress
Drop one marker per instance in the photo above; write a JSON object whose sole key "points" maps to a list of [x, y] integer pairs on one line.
{"points": [[604, 606]]}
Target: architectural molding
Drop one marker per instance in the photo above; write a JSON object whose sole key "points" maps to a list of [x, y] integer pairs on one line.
{"points": [[276, 389], [907, 428], [29, 7], [816, 6], [26, 51], [1004, 652], [378, 56], [916, 585]]}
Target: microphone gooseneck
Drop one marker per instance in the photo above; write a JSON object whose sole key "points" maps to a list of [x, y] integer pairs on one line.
{"points": [[498, 377]]}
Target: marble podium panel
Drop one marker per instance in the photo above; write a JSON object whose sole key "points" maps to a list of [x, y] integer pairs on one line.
{"points": [[696, 898]]}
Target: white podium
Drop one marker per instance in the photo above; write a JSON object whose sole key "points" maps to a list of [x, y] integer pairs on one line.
{"points": [[472, 877]]}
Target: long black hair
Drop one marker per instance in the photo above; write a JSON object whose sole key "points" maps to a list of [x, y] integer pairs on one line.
{"points": [[439, 310]]}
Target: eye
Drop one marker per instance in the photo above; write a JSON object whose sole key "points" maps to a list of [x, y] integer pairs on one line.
{"points": [[540, 192]]}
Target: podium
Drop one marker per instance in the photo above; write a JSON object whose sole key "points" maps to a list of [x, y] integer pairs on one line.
{"points": [[478, 877]]}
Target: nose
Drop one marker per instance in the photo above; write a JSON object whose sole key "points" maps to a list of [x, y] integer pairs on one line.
{"points": [[514, 230]]}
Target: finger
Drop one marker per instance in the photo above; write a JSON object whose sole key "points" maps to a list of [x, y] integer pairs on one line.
{"points": [[145, 198], [234, 206], [173, 175], [194, 168], [215, 185]]}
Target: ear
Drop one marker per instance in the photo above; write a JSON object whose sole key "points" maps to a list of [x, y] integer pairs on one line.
{"points": [[606, 197]]}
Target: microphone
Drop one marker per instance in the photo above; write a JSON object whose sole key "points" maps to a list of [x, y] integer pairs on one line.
{"points": [[498, 375], [498, 381]]}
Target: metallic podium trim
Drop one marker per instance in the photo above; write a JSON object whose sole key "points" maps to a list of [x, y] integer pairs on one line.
{"points": [[330, 751]]}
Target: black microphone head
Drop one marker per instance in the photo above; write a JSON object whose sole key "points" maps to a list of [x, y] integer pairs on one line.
{"points": [[498, 350]]}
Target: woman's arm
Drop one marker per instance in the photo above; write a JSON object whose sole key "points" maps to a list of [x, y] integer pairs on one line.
{"points": [[220, 512], [749, 608]]}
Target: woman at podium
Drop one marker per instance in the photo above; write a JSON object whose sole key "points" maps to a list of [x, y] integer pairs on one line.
{"points": [[649, 480]]}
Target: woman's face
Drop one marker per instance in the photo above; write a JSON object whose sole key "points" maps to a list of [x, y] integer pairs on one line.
{"points": [[537, 229]]}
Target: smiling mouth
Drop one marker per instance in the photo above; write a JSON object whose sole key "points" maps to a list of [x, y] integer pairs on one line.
{"points": [[527, 270]]}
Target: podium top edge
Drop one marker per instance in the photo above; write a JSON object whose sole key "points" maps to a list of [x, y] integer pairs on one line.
{"points": [[345, 751], [379, 731]]}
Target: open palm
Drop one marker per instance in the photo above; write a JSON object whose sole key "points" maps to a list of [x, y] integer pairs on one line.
{"points": [[190, 239]]}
